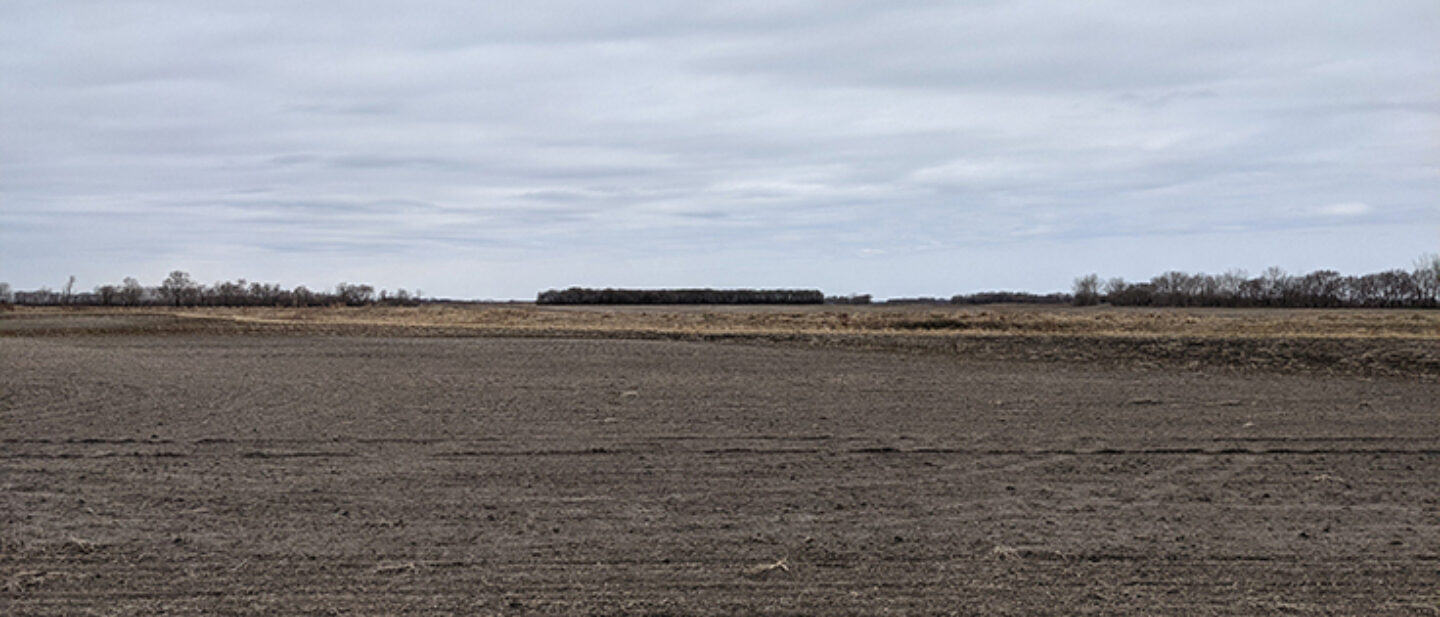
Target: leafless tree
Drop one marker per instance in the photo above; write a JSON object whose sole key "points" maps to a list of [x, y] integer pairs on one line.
{"points": [[132, 292], [354, 295], [108, 294], [1427, 278], [178, 288], [1087, 290]]}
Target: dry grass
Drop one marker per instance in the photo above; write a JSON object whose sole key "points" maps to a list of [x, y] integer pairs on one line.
{"points": [[1372, 342], [940, 321], [781, 565]]}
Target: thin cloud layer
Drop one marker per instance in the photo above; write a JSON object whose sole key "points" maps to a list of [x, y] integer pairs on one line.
{"points": [[488, 150]]}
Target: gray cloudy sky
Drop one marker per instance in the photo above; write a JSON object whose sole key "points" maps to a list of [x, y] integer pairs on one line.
{"points": [[489, 149]]}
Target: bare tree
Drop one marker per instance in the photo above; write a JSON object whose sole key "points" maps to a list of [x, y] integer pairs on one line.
{"points": [[1232, 285], [6, 296], [354, 295], [131, 292], [1427, 278], [178, 288], [1277, 285], [1087, 290], [302, 296], [108, 294]]}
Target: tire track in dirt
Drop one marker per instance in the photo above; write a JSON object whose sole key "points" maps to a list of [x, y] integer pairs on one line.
{"points": [[464, 449]]}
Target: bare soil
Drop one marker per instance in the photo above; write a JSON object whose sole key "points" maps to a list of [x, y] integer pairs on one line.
{"points": [[153, 466]]}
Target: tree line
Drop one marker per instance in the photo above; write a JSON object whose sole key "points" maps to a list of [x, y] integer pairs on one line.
{"points": [[580, 295], [179, 289], [1011, 297], [1418, 287]]}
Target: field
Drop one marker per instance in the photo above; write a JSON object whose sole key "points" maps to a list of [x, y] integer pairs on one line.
{"points": [[718, 461]]}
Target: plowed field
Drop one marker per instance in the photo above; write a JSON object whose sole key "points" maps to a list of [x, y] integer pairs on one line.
{"points": [[391, 475]]}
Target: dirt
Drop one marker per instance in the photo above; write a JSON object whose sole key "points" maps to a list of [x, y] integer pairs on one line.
{"points": [[1367, 343], [252, 473]]}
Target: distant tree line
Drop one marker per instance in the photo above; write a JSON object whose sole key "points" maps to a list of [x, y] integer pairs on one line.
{"points": [[1011, 297], [579, 295], [179, 289], [1418, 287], [1415, 288]]}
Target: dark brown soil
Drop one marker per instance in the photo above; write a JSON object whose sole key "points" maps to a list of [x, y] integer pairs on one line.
{"points": [[239, 474]]}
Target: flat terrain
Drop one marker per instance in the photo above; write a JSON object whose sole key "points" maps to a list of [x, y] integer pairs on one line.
{"points": [[232, 463]]}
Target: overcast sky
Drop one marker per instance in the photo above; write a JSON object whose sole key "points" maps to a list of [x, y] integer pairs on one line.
{"points": [[494, 149]]}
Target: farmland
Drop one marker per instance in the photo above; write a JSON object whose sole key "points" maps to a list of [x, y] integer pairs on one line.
{"points": [[719, 460]]}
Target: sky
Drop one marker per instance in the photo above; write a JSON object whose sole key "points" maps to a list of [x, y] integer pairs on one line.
{"points": [[491, 150]]}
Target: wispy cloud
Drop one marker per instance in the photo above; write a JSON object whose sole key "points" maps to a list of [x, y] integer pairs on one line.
{"points": [[1349, 208]]}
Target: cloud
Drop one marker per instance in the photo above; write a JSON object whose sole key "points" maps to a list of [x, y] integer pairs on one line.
{"points": [[1349, 208], [608, 134]]}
